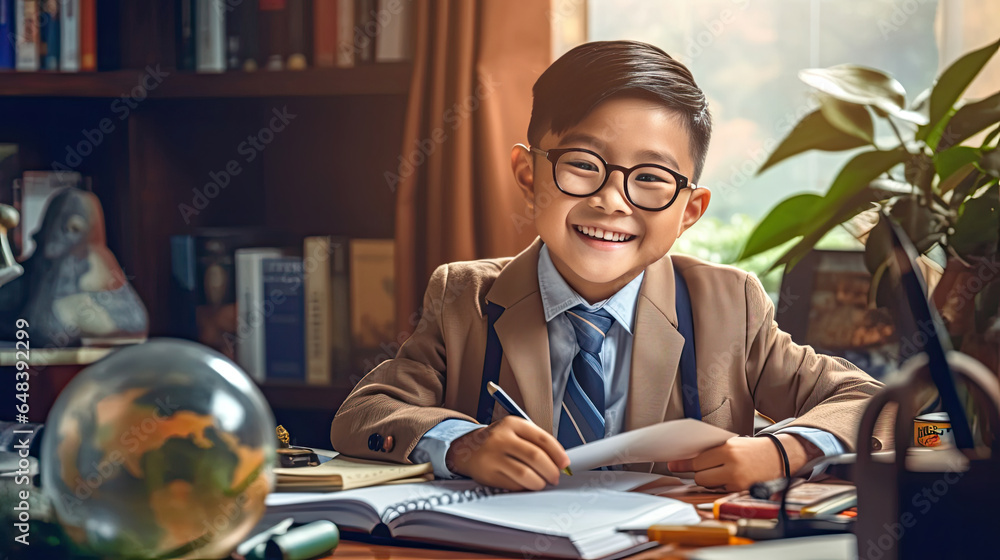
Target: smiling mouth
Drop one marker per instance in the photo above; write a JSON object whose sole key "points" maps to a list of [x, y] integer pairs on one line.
{"points": [[602, 235]]}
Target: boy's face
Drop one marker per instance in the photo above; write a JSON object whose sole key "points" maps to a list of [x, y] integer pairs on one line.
{"points": [[625, 131]]}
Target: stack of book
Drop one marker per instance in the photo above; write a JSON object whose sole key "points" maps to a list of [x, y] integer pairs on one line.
{"points": [[317, 313], [48, 35], [220, 35]]}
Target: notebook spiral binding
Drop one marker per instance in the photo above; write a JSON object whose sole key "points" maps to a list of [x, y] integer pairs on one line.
{"points": [[443, 499]]}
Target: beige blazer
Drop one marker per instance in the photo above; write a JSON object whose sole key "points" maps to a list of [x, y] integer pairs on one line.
{"points": [[745, 363]]}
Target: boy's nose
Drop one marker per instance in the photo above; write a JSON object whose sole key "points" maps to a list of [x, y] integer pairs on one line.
{"points": [[612, 198]]}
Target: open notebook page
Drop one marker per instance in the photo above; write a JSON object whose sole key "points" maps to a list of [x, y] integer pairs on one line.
{"points": [[362, 509], [559, 522]]}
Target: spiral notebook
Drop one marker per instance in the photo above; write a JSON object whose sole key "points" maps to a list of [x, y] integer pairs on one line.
{"points": [[579, 518]]}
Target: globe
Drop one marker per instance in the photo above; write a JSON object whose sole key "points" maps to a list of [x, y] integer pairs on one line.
{"points": [[160, 450]]}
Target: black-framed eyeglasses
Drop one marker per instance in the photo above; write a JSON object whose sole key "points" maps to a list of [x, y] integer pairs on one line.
{"points": [[581, 173]]}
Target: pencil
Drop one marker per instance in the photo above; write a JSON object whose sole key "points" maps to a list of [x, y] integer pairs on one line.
{"points": [[511, 407]]}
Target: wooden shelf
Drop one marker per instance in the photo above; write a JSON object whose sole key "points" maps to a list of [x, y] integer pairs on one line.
{"points": [[372, 79], [40, 357], [300, 396]]}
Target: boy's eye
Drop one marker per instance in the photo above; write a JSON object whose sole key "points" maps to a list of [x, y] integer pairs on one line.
{"points": [[651, 178], [583, 165]]}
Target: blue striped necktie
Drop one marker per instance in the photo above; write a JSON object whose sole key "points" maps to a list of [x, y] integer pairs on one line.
{"points": [[582, 416]]}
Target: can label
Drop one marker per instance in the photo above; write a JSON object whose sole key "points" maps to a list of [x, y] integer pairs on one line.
{"points": [[933, 430]]}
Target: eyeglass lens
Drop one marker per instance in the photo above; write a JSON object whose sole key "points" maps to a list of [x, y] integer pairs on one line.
{"points": [[582, 173]]}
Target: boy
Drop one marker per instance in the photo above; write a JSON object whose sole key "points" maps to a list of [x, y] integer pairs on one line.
{"points": [[582, 325]]}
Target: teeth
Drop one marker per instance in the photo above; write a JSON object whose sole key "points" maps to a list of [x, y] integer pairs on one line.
{"points": [[599, 233]]}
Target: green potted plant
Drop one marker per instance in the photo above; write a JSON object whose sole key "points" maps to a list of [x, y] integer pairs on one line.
{"points": [[943, 191]]}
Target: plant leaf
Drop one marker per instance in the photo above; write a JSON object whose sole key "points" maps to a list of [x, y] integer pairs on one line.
{"points": [[848, 117], [820, 226], [970, 119], [978, 225], [990, 162], [878, 248], [919, 109], [953, 159], [811, 216], [921, 224], [990, 137], [781, 224], [919, 172], [859, 85], [813, 132], [956, 178], [860, 171], [953, 81], [809, 240]]}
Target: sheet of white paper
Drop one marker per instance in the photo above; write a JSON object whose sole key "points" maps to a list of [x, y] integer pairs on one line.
{"points": [[666, 441]]}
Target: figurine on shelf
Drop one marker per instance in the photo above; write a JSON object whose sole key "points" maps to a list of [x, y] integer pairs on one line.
{"points": [[72, 287], [9, 269]]}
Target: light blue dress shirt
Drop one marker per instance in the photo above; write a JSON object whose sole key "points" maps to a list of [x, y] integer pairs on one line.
{"points": [[557, 296]]}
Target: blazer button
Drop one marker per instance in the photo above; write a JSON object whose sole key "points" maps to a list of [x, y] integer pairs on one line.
{"points": [[375, 442], [388, 444]]}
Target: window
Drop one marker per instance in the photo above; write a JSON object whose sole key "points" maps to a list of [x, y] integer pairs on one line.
{"points": [[746, 55]]}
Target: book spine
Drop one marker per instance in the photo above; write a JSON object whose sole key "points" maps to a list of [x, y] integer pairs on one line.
{"points": [[319, 311], [27, 47], [8, 35], [284, 320], [736, 510], [325, 33], [49, 35], [250, 350], [365, 31], [88, 35], [184, 287], [233, 32], [395, 35], [345, 33], [273, 33], [69, 16], [249, 50], [210, 23], [373, 303], [186, 10], [340, 292], [296, 35]]}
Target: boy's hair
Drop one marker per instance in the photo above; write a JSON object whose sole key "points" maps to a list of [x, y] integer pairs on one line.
{"points": [[582, 78]]}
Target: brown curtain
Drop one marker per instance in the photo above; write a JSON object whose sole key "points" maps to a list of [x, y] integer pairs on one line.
{"points": [[470, 100]]}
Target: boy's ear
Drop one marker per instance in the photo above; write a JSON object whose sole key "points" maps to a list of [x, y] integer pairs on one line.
{"points": [[522, 164], [695, 208]]}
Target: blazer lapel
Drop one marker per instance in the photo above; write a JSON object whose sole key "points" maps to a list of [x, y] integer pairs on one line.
{"points": [[656, 349], [524, 336]]}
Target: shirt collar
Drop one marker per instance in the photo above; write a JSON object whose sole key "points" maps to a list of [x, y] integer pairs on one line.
{"points": [[558, 296]]}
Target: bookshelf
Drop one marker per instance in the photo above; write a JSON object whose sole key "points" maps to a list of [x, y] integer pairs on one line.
{"points": [[391, 78], [322, 173]]}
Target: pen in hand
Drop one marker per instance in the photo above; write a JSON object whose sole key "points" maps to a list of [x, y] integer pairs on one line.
{"points": [[511, 407]]}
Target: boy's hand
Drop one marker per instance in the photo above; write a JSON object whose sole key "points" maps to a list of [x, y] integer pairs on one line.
{"points": [[742, 461], [511, 453]]}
